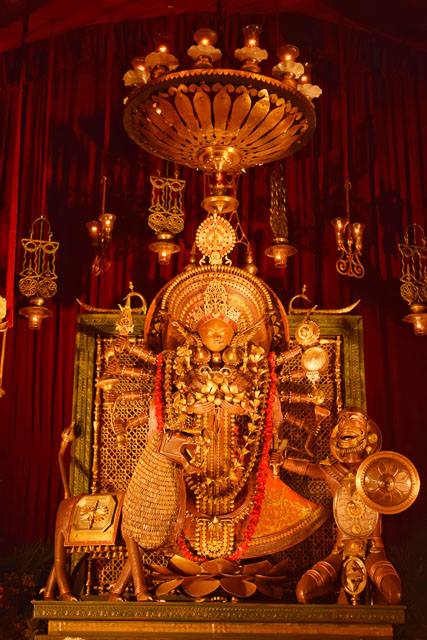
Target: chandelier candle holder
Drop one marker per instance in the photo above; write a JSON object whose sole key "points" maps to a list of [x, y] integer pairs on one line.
{"points": [[288, 70], [280, 250], [161, 61], [139, 75], [251, 55], [349, 238], [38, 276], [220, 120], [309, 90], [101, 235], [204, 53], [414, 279]]}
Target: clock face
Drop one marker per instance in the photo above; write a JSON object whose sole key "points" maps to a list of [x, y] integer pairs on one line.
{"points": [[215, 238]]}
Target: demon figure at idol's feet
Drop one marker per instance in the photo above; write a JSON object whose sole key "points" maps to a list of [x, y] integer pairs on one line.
{"points": [[365, 482]]}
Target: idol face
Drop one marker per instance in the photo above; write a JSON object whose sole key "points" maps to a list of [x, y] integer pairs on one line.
{"points": [[216, 334], [351, 431], [349, 437]]}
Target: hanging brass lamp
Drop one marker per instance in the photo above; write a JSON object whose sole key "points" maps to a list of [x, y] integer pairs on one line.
{"points": [[38, 276], [414, 279], [280, 250]]}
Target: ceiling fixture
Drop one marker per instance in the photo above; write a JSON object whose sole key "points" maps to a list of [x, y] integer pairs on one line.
{"points": [[221, 121], [217, 119]]}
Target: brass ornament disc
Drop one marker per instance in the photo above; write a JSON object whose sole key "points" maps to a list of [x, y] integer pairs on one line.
{"points": [[354, 575], [215, 238], [314, 359], [387, 482], [307, 333]]}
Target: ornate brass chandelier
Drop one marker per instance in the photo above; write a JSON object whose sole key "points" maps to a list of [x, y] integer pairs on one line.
{"points": [[221, 121], [215, 119], [414, 279]]}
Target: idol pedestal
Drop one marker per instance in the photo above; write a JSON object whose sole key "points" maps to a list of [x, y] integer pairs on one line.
{"points": [[96, 620]]}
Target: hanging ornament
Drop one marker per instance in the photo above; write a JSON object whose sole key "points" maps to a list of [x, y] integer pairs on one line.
{"points": [[280, 250], [414, 279], [38, 276], [166, 215], [101, 235]]}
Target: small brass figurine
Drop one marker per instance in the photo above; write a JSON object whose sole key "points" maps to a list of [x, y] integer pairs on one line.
{"points": [[364, 483]]}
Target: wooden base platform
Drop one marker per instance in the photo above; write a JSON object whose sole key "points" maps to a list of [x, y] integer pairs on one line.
{"points": [[96, 620]]}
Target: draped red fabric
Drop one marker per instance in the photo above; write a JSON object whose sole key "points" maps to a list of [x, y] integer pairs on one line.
{"points": [[386, 91]]}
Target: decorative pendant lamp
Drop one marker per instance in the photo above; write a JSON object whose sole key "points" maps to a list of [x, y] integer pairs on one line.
{"points": [[414, 279], [38, 276], [348, 235], [166, 215], [280, 250], [101, 235]]}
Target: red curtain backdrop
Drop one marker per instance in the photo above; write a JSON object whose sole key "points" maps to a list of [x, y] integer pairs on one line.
{"points": [[386, 93]]}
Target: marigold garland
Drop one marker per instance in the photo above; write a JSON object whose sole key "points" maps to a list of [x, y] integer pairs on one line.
{"points": [[182, 545], [261, 478]]}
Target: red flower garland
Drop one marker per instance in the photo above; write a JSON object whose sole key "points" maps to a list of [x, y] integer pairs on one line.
{"points": [[261, 479], [261, 476], [182, 545]]}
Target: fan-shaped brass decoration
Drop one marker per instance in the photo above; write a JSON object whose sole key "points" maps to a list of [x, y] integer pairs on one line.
{"points": [[219, 119], [387, 482], [185, 566], [238, 587]]}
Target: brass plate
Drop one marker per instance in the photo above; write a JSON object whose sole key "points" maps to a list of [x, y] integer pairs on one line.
{"points": [[387, 482], [95, 520]]}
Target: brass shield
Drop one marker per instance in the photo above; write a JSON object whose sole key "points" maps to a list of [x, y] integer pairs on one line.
{"points": [[387, 482]]}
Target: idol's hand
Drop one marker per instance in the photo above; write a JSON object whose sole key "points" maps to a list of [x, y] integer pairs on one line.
{"points": [[191, 468], [121, 344], [235, 409], [201, 407], [276, 462]]}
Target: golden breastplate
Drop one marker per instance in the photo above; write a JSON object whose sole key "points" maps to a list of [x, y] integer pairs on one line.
{"points": [[352, 516]]}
